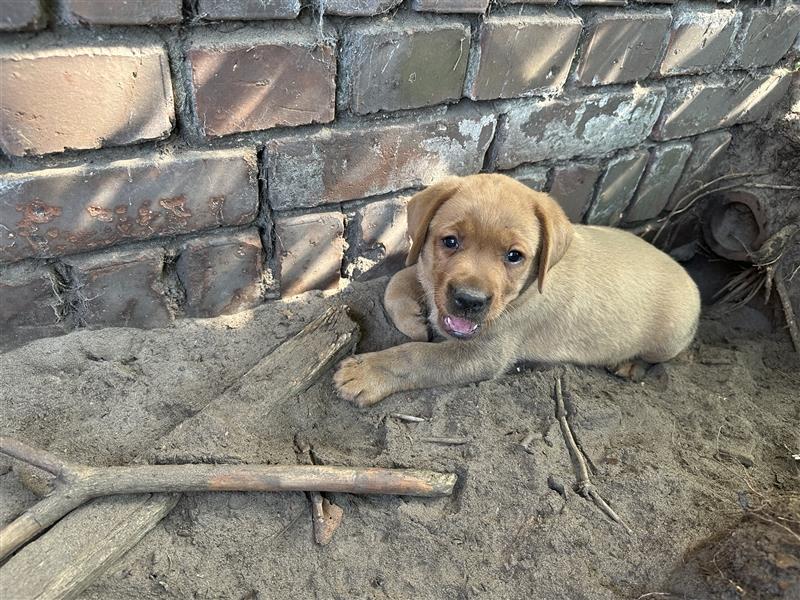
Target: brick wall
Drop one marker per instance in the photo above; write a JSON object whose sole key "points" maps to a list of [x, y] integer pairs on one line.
{"points": [[165, 159]]}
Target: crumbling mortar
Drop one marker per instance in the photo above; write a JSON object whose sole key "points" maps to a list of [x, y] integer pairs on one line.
{"points": [[170, 285]]}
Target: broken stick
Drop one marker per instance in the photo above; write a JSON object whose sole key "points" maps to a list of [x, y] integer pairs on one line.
{"points": [[584, 486], [77, 484]]}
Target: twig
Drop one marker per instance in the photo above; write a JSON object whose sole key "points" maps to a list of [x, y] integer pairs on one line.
{"points": [[77, 484], [527, 440], [408, 418], [445, 441], [584, 486], [788, 313]]}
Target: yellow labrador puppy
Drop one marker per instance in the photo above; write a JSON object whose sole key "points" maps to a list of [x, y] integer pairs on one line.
{"points": [[499, 271]]}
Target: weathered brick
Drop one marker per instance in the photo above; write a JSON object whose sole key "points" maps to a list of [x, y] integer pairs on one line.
{"points": [[221, 273], [84, 97], [701, 167], [588, 125], [622, 47], [382, 242], [702, 107], [359, 8], [573, 186], [519, 56], [663, 172], [532, 176], [123, 288], [598, 2], [64, 211], [122, 12], [29, 306], [405, 64], [617, 188], [451, 6], [21, 14], [767, 35], [309, 251], [243, 84], [243, 10], [348, 164], [700, 40]]}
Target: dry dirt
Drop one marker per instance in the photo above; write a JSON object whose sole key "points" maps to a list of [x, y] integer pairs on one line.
{"points": [[696, 459]]}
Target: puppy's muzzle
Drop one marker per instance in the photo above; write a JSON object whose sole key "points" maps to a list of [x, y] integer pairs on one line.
{"points": [[466, 309]]}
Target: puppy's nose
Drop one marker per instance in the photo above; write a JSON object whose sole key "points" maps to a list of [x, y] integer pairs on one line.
{"points": [[470, 300]]}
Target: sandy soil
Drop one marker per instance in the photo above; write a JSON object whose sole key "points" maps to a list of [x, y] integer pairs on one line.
{"points": [[696, 459]]}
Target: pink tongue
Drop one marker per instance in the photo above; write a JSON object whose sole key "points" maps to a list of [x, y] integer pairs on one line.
{"points": [[460, 325]]}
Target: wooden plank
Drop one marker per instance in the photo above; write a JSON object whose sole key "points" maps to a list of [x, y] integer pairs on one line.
{"points": [[81, 547]]}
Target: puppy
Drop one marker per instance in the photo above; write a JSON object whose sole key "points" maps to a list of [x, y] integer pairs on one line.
{"points": [[499, 272]]}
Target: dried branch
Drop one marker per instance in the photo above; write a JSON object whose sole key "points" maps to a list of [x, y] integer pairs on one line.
{"points": [[584, 485], [77, 484]]}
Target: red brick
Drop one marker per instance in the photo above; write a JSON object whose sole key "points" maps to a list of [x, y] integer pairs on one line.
{"points": [[309, 251], [122, 288], [369, 160], [65, 211], [21, 15], [700, 40], [242, 10], [84, 97], [622, 47], [122, 12], [700, 107], [617, 187], [382, 242], [451, 6], [532, 176], [664, 170], [768, 35], [591, 125], [707, 150], [573, 186], [404, 64], [222, 273], [250, 84], [29, 306], [359, 8], [520, 56]]}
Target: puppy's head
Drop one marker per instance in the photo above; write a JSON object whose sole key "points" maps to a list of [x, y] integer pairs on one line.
{"points": [[479, 242]]}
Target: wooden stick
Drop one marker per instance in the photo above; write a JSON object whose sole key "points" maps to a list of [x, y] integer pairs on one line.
{"points": [[77, 484], [79, 548], [788, 312], [584, 485]]}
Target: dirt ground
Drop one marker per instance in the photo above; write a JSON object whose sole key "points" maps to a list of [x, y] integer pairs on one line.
{"points": [[696, 460]]}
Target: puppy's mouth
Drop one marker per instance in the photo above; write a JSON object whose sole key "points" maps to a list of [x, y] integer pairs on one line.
{"points": [[459, 327]]}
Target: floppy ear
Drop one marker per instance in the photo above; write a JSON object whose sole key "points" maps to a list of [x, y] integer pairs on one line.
{"points": [[557, 233], [420, 211]]}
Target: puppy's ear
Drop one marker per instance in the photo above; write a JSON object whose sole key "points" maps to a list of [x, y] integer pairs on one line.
{"points": [[421, 209], [557, 234]]}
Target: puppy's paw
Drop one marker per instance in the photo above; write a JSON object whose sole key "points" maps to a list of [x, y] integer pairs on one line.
{"points": [[634, 370], [361, 381]]}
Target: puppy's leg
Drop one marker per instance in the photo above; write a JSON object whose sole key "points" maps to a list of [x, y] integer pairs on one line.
{"points": [[365, 379], [404, 303]]}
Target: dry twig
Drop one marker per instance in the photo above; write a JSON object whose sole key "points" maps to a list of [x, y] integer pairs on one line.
{"points": [[77, 484], [584, 485]]}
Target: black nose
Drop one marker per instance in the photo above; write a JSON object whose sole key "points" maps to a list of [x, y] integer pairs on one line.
{"points": [[470, 300]]}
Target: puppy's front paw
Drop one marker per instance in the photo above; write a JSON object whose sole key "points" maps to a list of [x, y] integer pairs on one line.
{"points": [[360, 380]]}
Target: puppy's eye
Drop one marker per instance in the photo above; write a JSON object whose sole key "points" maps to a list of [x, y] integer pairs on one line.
{"points": [[514, 256], [450, 241]]}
